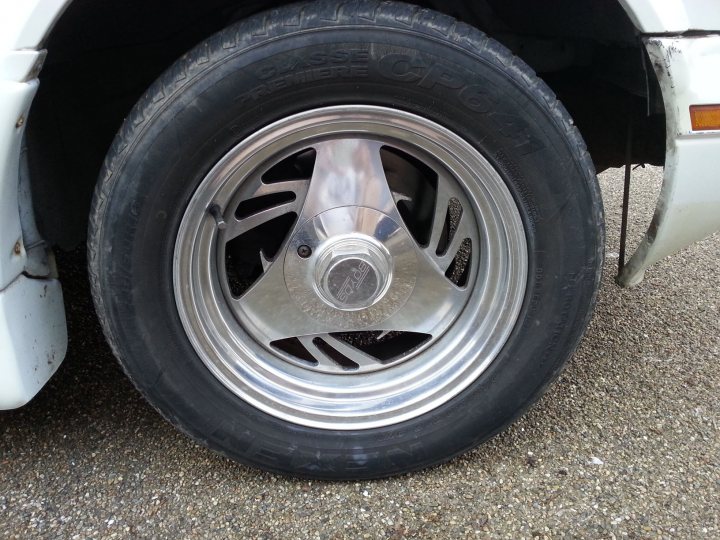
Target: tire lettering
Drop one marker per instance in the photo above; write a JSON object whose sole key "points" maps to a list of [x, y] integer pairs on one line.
{"points": [[315, 74], [475, 97], [439, 75], [400, 67]]}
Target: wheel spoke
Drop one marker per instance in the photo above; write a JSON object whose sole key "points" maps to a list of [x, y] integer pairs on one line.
{"points": [[461, 233], [348, 172], [328, 363], [433, 300], [298, 187], [237, 226], [442, 200], [361, 358], [324, 359], [448, 242], [268, 307]]}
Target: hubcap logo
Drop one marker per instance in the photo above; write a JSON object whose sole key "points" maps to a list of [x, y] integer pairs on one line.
{"points": [[352, 281]]}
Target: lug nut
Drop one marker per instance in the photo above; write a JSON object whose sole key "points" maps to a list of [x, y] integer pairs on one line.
{"points": [[304, 251]]}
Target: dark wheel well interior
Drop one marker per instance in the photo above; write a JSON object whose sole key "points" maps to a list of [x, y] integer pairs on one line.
{"points": [[103, 55]]}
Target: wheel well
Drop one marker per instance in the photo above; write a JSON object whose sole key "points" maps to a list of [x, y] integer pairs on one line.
{"points": [[103, 55]]}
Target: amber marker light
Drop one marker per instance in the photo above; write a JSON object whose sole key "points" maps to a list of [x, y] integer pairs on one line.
{"points": [[705, 117]]}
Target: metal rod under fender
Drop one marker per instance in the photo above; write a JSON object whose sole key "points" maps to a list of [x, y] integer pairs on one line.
{"points": [[626, 196]]}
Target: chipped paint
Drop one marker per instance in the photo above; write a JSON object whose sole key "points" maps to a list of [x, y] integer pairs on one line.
{"points": [[33, 338]]}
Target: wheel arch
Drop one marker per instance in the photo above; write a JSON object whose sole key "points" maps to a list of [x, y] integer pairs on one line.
{"points": [[102, 57]]}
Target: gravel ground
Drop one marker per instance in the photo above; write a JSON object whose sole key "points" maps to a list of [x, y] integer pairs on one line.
{"points": [[625, 444]]}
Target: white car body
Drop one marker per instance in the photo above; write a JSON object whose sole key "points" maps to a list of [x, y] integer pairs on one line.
{"points": [[682, 38]]}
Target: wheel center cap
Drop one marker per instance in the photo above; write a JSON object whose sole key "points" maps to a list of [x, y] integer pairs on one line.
{"points": [[352, 273], [360, 267]]}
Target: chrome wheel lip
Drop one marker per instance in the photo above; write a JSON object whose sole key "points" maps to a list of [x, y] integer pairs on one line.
{"points": [[450, 364]]}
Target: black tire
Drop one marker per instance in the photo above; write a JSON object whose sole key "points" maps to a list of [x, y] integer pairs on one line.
{"points": [[289, 60]]}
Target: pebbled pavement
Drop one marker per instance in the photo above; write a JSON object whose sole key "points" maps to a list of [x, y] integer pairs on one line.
{"points": [[625, 444]]}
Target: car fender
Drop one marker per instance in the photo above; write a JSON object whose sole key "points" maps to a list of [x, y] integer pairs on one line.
{"points": [[672, 16], [33, 335]]}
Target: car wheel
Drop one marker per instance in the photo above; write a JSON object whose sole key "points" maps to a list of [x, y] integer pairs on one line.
{"points": [[345, 240]]}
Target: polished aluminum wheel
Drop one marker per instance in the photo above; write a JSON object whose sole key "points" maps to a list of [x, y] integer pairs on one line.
{"points": [[350, 267]]}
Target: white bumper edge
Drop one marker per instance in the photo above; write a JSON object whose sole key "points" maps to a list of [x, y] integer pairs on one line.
{"points": [[688, 209], [33, 338]]}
